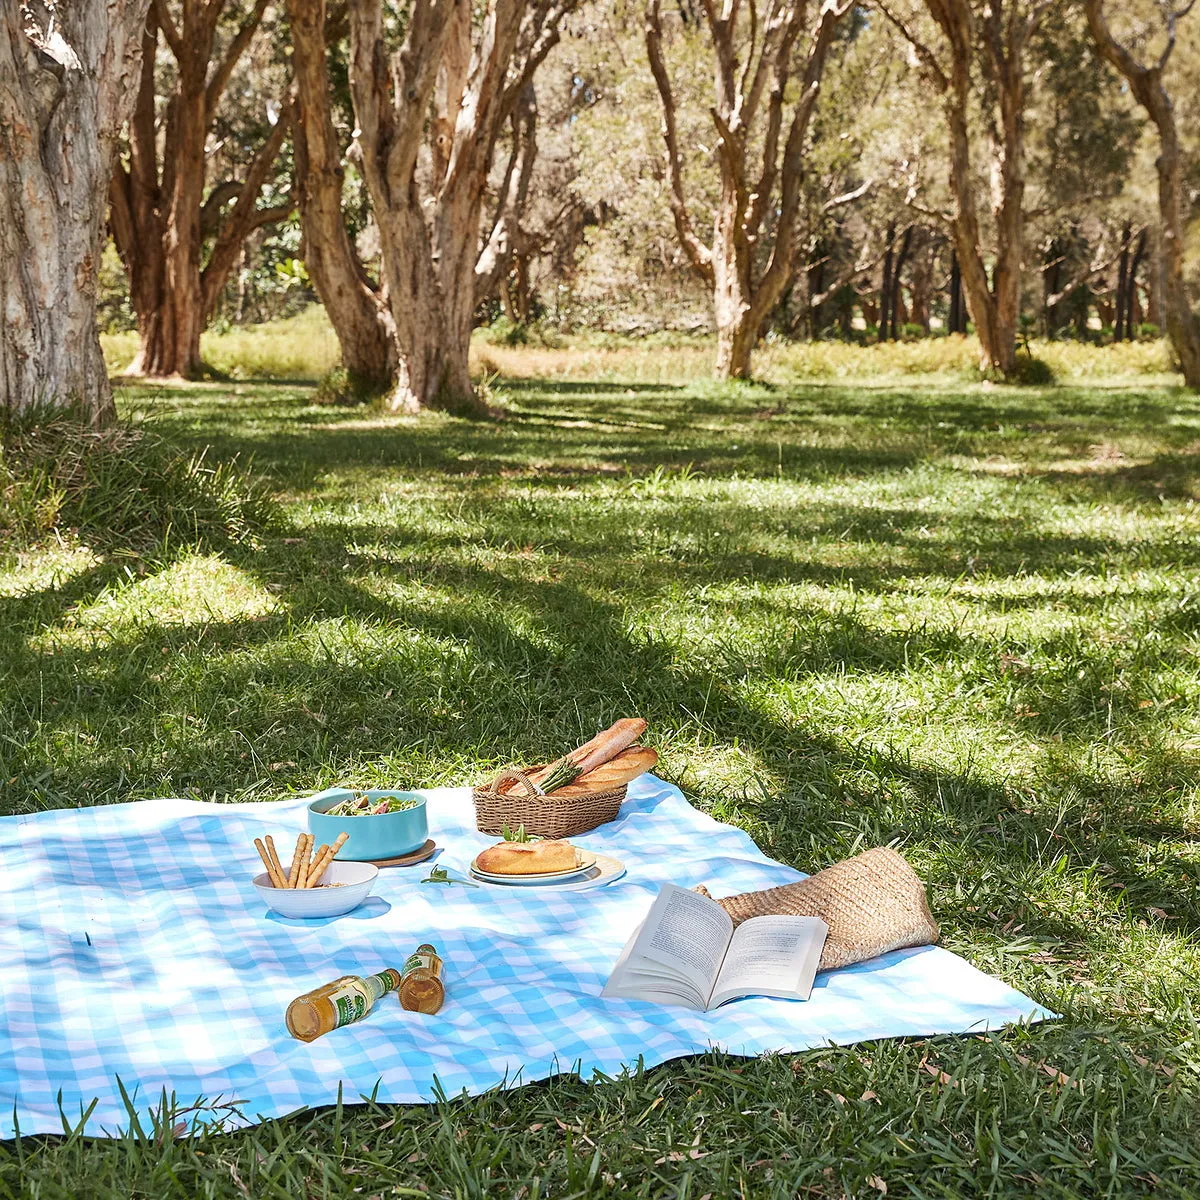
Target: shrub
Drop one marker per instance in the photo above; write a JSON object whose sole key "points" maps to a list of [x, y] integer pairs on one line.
{"points": [[123, 486], [342, 386], [1032, 372]]}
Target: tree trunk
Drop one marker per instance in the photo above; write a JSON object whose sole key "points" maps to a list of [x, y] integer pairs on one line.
{"points": [[737, 327], [1182, 328], [735, 344], [1154, 281], [161, 219], [430, 220], [1132, 307], [998, 37], [433, 324], [1146, 83], [896, 305], [885, 284], [1122, 281], [68, 77], [362, 323], [920, 280], [955, 320], [750, 190]]}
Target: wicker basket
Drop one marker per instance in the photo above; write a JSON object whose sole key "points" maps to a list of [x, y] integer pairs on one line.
{"points": [[549, 816], [872, 903]]}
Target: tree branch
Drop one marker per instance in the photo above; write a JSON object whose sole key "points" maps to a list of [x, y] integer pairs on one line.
{"points": [[496, 255], [242, 220], [698, 254], [170, 33], [237, 47], [779, 268], [847, 197], [210, 212], [927, 57]]}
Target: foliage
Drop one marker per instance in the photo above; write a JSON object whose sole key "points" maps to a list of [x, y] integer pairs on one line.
{"points": [[957, 618], [122, 487], [667, 358]]}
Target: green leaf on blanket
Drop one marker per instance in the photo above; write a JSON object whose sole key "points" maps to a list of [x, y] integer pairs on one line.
{"points": [[440, 875]]}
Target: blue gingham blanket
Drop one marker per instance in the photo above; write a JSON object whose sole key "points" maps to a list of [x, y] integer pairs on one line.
{"points": [[139, 965]]}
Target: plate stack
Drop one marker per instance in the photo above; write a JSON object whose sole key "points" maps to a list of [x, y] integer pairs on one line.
{"points": [[591, 870]]}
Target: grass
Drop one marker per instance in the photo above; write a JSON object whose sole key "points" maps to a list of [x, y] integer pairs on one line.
{"points": [[961, 619], [305, 347]]}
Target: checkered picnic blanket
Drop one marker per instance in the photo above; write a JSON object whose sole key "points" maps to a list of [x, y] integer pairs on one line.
{"points": [[138, 963]]}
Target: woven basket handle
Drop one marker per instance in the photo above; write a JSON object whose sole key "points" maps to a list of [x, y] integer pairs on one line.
{"points": [[511, 773]]}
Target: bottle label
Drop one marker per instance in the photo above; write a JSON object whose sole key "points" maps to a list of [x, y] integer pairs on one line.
{"points": [[349, 1004], [390, 978], [418, 961]]}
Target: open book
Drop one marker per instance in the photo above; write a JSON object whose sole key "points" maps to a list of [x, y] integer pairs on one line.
{"points": [[687, 952]]}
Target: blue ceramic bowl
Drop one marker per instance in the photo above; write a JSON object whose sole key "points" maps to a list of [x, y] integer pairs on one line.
{"points": [[389, 835]]}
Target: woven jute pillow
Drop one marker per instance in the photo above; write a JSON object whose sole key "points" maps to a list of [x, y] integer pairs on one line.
{"points": [[872, 903]]}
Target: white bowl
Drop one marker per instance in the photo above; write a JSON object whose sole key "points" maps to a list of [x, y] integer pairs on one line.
{"points": [[357, 880]]}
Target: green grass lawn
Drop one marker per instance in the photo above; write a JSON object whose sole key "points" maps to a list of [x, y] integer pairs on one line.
{"points": [[963, 620]]}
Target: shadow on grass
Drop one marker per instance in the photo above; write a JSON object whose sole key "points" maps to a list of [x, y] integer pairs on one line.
{"points": [[480, 662], [444, 649]]}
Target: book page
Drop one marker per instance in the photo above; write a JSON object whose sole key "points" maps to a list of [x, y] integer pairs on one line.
{"points": [[771, 956], [679, 948]]}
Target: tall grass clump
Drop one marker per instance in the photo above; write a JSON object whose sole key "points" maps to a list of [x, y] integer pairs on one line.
{"points": [[300, 347], [122, 486]]}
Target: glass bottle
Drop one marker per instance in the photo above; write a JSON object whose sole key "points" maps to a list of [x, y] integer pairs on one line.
{"points": [[334, 1004], [421, 987]]}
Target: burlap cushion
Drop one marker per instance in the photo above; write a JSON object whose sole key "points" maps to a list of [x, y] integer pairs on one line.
{"points": [[872, 903]]}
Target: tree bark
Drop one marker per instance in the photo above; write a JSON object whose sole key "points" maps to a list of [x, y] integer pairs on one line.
{"points": [[920, 278], [1146, 83], [359, 316], [1122, 280], [885, 285], [956, 321], [68, 77], [1001, 33], [896, 303], [1132, 307], [753, 75], [161, 217], [430, 221]]}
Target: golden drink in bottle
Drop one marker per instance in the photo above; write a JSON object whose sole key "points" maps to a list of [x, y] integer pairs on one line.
{"points": [[335, 1004], [421, 987]]}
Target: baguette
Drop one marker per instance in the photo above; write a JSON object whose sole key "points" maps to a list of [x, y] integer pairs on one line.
{"points": [[601, 749], [623, 769]]}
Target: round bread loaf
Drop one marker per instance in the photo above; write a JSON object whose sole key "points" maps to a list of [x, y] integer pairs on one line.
{"points": [[527, 858]]}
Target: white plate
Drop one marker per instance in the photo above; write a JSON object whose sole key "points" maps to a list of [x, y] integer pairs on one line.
{"points": [[604, 870], [586, 861]]}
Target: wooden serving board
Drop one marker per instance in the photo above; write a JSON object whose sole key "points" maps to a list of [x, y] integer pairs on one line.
{"points": [[419, 855]]}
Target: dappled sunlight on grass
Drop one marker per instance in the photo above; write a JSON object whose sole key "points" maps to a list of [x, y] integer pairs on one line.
{"points": [[843, 629], [198, 589]]}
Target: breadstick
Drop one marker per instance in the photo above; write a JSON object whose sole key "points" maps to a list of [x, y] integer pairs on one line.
{"points": [[275, 859], [317, 855], [302, 881], [276, 881], [294, 871], [329, 853]]}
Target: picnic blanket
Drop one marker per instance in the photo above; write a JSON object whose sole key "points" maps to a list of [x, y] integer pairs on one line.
{"points": [[138, 962]]}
